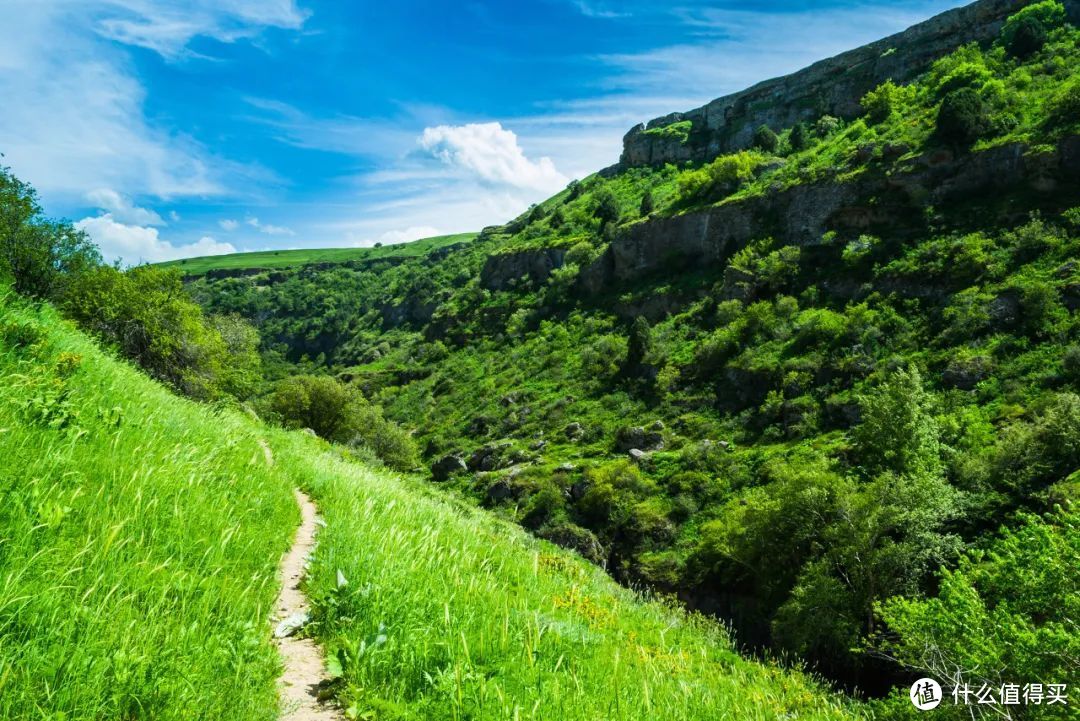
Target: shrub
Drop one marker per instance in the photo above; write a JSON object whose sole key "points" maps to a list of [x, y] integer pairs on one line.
{"points": [[963, 117], [799, 138], [339, 413], [886, 99], [827, 125], [647, 204], [145, 314], [1029, 25], [1064, 107], [38, 254], [765, 139], [606, 207]]}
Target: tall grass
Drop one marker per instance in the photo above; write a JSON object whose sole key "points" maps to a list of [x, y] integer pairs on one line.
{"points": [[433, 610], [139, 539]]}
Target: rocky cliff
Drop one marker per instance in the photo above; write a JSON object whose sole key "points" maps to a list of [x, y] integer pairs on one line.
{"points": [[830, 87], [804, 214]]}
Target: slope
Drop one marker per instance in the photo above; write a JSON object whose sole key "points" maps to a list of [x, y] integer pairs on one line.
{"points": [[786, 382], [140, 537], [273, 259]]}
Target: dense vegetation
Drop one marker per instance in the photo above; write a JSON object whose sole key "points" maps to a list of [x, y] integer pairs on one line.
{"points": [[140, 534], [829, 444]]}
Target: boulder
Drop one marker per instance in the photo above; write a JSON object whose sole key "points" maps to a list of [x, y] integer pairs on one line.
{"points": [[447, 466], [574, 431]]}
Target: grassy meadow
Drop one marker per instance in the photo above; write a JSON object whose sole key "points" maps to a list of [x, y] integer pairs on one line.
{"points": [[432, 609], [271, 259], [139, 539]]}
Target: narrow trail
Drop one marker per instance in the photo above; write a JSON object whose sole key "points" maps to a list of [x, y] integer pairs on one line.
{"points": [[304, 672]]}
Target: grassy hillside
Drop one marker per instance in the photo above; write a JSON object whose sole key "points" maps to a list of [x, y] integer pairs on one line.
{"points": [[271, 259], [139, 540], [822, 421], [139, 536]]}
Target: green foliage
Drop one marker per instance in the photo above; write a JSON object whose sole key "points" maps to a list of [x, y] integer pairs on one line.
{"points": [[766, 140], [897, 433], [723, 175], [341, 414], [1005, 615], [37, 255], [880, 103], [679, 131], [963, 117], [145, 314], [647, 204], [141, 536], [1025, 32], [606, 207], [799, 139]]}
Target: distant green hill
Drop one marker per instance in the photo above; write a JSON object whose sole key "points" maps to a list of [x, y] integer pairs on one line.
{"points": [[271, 259]]}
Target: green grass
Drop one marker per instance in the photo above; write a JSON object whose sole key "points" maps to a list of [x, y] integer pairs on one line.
{"points": [[139, 539], [271, 259], [450, 613], [140, 534]]}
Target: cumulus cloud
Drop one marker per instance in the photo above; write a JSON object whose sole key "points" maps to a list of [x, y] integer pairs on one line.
{"points": [[122, 209], [393, 237], [229, 224], [492, 154], [138, 244], [269, 229]]}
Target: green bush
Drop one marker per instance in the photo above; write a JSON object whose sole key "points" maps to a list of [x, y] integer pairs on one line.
{"points": [[880, 103], [1025, 31], [766, 139], [963, 117], [339, 413], [38, 255]]}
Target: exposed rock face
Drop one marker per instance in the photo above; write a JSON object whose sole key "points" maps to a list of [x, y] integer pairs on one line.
{"points": [[830, 87], [802, 215], [536, 265]]}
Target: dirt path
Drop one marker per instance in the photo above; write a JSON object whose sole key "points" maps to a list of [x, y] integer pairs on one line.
{"points": [[304, 668]]}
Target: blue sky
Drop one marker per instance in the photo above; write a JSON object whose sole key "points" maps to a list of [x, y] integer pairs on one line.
{"points": [[169, 129]]}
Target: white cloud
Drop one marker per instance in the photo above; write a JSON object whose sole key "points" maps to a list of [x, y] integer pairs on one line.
{"points": [[167, 28], [492, 154], [269, 229], [229, 224], [138, 244], [75, 119], [122, 209], [393, 237]]}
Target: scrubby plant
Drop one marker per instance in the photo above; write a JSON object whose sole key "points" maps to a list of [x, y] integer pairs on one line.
{"points": [[766, 139], [963, 117]]}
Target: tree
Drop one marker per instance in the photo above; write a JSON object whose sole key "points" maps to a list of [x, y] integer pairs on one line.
{"points": [[963, 117], [339, 413], [1025, 31], [647, 204], [897, 433], [606, 207], [241, 374], [1028, 38], [886, 99], [640, 344], [800, 137], [765, 139], [36, 253]]}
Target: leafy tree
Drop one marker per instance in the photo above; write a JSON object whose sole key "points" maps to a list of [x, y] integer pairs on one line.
{"points": [[647, 204], [606, 207], [897, 433], [766, 139], [36, 253], [241, 375], [339, 413], [1025, 31], [148, 317], [800, 137], [963, 117], [1006, 615], [886, 99]]}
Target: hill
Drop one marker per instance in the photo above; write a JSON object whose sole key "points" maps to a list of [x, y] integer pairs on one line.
{"points": [[140, 535], [230, 263], [798, 375]]}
